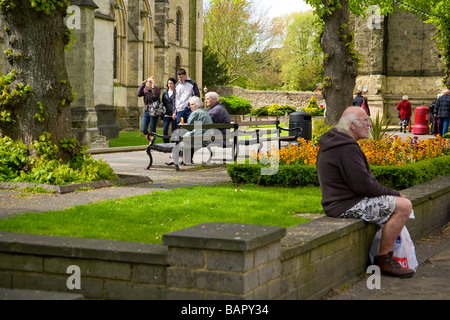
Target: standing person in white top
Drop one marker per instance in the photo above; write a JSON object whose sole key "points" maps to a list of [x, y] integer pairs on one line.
{"points": [[168, 101], [184, 90]]}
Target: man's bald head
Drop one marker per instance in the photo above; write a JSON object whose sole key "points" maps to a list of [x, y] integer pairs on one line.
{"points": [[355, 122]]}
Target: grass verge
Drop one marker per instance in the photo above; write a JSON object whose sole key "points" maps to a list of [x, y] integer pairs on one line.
{"points": [[147, 217]]}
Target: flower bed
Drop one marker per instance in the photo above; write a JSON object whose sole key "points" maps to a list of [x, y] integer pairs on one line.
{"points": [[395, 163]]}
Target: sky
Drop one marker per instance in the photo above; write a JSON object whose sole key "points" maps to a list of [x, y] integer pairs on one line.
{"points": [[276, 8]]}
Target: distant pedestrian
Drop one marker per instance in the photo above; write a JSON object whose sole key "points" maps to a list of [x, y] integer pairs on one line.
{"points": [[442, 111], [404, 107], [362, 102], [434, 121]]}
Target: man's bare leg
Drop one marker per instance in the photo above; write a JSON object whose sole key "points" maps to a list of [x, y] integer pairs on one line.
{"points": [[395, 224], [391, 231]]}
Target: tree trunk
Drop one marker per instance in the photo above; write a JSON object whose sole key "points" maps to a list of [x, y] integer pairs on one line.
{"points": [[35, 42], [340, 64]]}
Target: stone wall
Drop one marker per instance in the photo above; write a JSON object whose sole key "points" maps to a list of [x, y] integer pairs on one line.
{"points": [[398, 58], [260, 99], [214, 260]]}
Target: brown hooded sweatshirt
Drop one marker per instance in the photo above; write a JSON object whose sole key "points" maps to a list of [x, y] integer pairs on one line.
{"points": [[344, 174]]}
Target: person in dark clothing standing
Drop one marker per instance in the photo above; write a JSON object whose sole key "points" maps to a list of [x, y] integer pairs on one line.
{"points": [[349, 189], [442, 111], [358, 102], [168, 99]]}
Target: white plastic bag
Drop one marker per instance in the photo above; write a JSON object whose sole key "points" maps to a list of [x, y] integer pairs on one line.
{"points": [[404, 250]]}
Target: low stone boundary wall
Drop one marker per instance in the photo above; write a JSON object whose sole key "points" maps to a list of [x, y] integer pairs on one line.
{"points": [[213, 260], [261, 98]]}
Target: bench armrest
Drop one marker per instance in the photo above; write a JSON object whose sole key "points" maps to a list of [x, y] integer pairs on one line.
{"points": [[293, 129]]}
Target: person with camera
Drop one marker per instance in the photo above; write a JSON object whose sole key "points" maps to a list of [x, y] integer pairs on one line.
{"points": [[150, 93]]}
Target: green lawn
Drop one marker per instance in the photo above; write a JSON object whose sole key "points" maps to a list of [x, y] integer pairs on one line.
{"points": [[131, 138], [146, 218]]}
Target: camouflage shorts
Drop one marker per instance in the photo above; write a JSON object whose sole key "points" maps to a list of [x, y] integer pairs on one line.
{"points": [[374, 210]]}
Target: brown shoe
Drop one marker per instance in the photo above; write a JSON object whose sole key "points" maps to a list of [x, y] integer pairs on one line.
{"points": [[390, 267]]}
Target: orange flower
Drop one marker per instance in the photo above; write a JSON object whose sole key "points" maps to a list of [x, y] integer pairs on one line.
{"points": [[387, 151]]}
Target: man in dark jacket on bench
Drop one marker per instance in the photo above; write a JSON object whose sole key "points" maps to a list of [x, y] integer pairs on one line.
{"points": [[217, 112]]}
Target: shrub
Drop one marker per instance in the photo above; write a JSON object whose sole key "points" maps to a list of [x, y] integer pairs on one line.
{"points": [[411, 174], [235, 105], [379, 127], [279, 110], [18, 165], [263, 111], [313, 108], [273, 110], [396, 163], [295, 175], [319, 128], [13, 158]]}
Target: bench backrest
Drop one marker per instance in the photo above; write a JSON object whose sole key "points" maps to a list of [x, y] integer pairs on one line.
{"points": [[232, 125], [258, 123]]}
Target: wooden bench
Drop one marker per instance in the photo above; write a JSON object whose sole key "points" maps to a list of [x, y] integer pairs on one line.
{"points": [[259, 136], [211, 131]]}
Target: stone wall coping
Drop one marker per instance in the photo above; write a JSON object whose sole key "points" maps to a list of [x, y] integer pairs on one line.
{"points": [[224, 236], [428, 190], [315, 233], [83, 248]]}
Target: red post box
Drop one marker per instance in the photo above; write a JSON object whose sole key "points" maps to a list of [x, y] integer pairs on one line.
{"points": [[421, 121]]}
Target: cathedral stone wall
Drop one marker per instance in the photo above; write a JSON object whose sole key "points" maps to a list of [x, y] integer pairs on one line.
{"points": [[398, 58]]}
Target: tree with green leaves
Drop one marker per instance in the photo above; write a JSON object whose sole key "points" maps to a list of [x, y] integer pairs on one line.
{"points": [[214, 72], [301, 55], [341, 60], [233, 30], [35, 92]]}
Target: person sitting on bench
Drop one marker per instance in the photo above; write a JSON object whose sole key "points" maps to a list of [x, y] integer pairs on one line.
{"points": [[199, 116]]}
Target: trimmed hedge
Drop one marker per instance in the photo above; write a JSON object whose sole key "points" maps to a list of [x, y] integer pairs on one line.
{"points": [[292, 175], [402, 177], [235, 105], [297, 175]]}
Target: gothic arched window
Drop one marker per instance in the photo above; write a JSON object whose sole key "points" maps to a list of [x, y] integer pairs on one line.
{"points": [[178, 26]]}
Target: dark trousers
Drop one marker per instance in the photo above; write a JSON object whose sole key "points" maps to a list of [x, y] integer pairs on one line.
{"points": [[168, 122]]}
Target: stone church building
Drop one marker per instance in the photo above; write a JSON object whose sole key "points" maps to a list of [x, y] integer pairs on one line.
{"points": [[399, 58], [119, 43]]}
